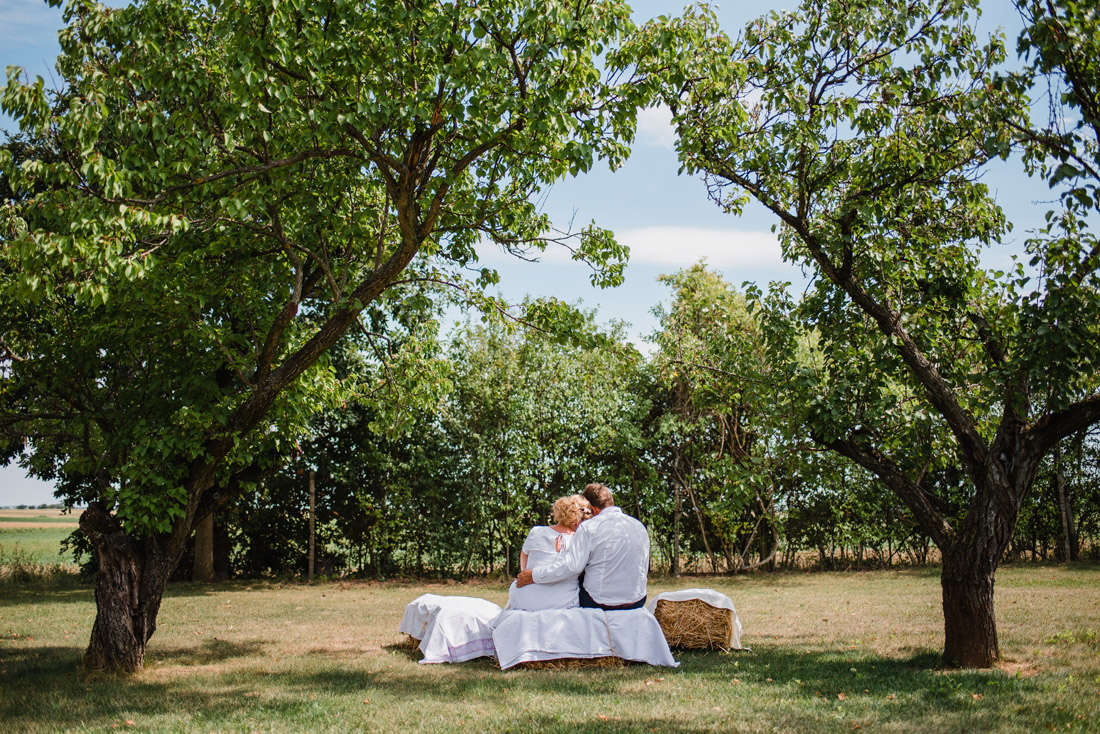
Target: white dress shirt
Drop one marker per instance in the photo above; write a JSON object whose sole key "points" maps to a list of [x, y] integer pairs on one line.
{"points": [[613, 551]]}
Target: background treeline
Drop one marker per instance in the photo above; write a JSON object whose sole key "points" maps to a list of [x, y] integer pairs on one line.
{"points": [[696, 438]]}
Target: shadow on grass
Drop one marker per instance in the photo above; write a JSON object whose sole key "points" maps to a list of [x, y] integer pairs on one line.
{"points": [[54, 694], [793, 686], [788, 689], [61, 590], [73, 589], [209, 653], [406, 650]]}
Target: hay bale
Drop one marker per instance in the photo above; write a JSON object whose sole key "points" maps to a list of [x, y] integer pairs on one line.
{"points": [[693, 624], [572, 663]]}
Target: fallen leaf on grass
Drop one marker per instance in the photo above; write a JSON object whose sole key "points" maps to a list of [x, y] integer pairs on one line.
{"points": [[841, 697], [891, 697], [130, 722], [736, 681], [366, 700], [601, 717], [976, 696]]}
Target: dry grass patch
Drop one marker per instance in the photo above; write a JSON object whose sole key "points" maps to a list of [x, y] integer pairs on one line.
{"points": [[31, 515], [31, 524], [1019, 670]]}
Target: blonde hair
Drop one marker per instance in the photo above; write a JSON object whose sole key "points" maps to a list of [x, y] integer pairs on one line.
{"points": [[569, 510]]}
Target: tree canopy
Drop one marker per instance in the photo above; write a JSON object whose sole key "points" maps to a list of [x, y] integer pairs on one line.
{"points": [[219, 192], [864, 128]]}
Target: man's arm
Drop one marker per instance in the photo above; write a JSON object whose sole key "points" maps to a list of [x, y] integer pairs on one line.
{"points": [[569, 562]]}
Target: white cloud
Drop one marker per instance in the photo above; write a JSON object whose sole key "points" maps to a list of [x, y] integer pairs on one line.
{"points": [[670, 246], [683, 246], [655, 127]]}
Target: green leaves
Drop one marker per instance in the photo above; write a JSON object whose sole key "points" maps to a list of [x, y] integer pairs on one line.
{"points": [[219, 191], [865, 128]]}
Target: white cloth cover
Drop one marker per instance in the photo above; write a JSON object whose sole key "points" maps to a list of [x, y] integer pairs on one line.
{"points": [[451, 629], [709, 596], [522, 637]]}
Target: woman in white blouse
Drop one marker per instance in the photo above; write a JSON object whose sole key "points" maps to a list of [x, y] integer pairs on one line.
{"points": [[542, 546]]}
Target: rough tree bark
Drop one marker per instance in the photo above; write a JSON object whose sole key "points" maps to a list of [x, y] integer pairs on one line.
{"points": [[970, 625], [1069, 532], [130, 583], [970, 561], [203, 569]]}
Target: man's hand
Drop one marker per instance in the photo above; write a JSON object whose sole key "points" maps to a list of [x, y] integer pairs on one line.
{"points": [[525, 578]]}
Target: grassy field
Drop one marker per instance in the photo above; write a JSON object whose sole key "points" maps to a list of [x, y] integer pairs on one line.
{"points": [[33, 538], [831, 653]]}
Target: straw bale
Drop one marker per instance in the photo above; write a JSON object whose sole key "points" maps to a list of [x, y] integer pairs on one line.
{"points": [[573, 663], [694, 625]]}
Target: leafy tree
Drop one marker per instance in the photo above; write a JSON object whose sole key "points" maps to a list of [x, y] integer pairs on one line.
{"points": [[710, 357], [226, 190], [1060, 515], [864, 128], [732, 432], [533, 419]]}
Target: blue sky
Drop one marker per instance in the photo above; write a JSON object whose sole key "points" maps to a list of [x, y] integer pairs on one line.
{"points": [[665, 218]]}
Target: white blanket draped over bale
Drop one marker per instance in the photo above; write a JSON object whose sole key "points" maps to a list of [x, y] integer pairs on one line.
{"points": [[553, 634], [451, 629]]}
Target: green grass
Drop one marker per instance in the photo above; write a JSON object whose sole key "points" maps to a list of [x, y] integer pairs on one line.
{"points": [[34, 537], [831, 653], [41, 545]]}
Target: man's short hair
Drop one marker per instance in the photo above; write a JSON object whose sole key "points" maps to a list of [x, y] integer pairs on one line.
{"points": [[598, 495]]}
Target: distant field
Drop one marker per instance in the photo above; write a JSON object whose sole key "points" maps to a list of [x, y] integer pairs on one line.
{"points": [[832, 652], [37, 532], [39, 515]]}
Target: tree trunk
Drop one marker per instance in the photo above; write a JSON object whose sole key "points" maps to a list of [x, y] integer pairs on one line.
{"points": [[129, 585], [970, 562], [223, 547], [674, 562], [970, 626], [312, 526], [203, 569], [1068, 548]]}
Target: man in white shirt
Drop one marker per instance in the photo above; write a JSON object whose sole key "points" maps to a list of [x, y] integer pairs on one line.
{"points": [[612, 549]]}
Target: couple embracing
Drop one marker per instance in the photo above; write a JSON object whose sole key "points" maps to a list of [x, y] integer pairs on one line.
{"points": [[594, 556]]}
